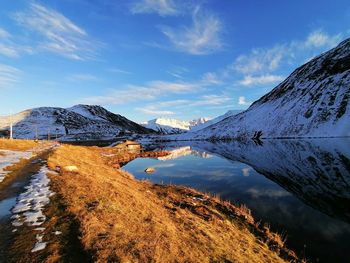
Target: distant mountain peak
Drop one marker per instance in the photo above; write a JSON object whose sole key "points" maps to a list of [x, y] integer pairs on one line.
{"points": [[173, 126]]}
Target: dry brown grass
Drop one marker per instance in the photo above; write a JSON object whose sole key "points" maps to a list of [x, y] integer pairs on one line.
{"points": [[20, 145], [17, 144], [124, 220]]}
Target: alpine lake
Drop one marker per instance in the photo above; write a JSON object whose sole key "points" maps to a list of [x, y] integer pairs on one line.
{"points": [[301, 188]]}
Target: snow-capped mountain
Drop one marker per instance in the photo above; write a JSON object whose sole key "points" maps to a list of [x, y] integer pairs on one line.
{"points": [[215, 120], [198, 122], [172, 126], [312, 102], [80, 121]]}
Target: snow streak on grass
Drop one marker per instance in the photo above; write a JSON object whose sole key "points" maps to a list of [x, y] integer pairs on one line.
{"points": [[8, 158]]}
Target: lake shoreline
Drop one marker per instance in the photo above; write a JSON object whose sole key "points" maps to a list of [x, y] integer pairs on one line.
{"points": [[89, 203], [193, 206]]}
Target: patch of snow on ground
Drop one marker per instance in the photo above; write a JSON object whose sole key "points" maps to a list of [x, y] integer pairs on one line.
{"points": [[39, 245], [8, 158], [30, 204]]}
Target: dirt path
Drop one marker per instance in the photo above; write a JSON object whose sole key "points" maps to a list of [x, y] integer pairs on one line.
{"points": [[59, 232], [9, 191]]}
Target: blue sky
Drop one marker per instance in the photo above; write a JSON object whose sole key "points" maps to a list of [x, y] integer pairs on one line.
{"points": [[150, 58]]}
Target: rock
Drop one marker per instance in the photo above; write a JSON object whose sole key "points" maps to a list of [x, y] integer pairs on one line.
{"points": [[70, 169], [150, 170]]}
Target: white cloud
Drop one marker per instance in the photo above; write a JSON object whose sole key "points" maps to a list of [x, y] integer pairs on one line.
{"points": [[8, 51], [8, 76], [267, 60], [173, 103], [162, 108], [319, 38], [260, 80], [150, 91], [82, 77], [202, 37], [160, 7], [260, 60], [243, 101], [4, 34], [178, 72], [211, 78], [205, 100], [118, 71], [57, 33], [152, 110], [7, 47], [208, 100]]}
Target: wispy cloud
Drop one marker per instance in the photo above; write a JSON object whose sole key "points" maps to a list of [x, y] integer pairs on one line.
{"points": [[202, 37], [266, 60], [4, 34], [8, 76], [153, 111], [319, 38], [262, 66], [204, 100], [153, 90], [210, 100], [56, 33], [259, 60], [167, 107], [260, 80], [6, 46], [173, 103], [8, 51], [178, 72], [211, 78], [150, 91], [243, 101], [9, 47], [119, 71], [160, 7], [82, 77]]}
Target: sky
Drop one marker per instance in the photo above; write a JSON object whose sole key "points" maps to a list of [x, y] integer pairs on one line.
{"points": [[158, 58]]}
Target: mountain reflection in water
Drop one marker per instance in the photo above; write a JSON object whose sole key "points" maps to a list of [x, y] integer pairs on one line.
{"points": [[297, 175]]}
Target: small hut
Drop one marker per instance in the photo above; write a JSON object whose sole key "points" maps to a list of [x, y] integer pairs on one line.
{"points": [[132, 146]]}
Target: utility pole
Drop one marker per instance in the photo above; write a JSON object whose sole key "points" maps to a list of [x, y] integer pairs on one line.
{"points": [[11, 135], [11, 128]]}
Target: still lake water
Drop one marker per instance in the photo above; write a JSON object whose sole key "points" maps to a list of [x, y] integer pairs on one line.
{"points": [[301, 188]]}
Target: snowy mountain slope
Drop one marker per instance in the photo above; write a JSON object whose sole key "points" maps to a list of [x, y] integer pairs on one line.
{"points": [[198, 122], [312, 102], [80, 121], [215, 120], [172, 126]]}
